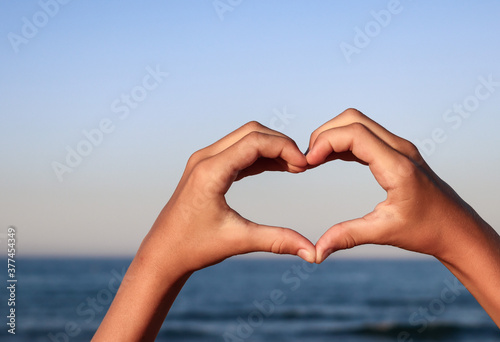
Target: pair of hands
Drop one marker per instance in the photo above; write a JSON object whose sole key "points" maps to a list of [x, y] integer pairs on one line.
{"points": [[197, 228], [199, 224]]}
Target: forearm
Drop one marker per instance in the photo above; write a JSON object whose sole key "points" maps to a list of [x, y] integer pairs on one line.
{"points": [[145, 296], [475, 261]]}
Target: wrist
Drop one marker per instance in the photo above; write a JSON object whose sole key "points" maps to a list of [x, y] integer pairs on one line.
{"points": [[469, 241], [160, 263]]}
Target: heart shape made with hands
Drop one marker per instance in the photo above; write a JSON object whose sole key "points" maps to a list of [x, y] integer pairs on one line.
{"points": [[219, 232], [397, 167]]}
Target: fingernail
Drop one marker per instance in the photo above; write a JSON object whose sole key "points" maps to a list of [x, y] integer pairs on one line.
{"points": [[326, 254], [304, 254]]}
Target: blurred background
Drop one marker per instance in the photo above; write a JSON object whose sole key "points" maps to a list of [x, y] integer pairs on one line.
{"points": [[102, 103]]}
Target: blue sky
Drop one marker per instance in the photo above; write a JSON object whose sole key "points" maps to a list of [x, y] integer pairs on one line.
{"points": [[69, 73]]}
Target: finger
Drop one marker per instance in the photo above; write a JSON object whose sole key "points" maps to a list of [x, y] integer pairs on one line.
{"points": [[278, 240], [351, 116], [386, 164], [236, 136], [345, 156], [261, 165], [264, 163], [244, 154], [347, 235], [227, 142]]}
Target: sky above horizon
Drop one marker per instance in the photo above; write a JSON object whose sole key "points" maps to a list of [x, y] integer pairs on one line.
{"points": [[102, 103]]}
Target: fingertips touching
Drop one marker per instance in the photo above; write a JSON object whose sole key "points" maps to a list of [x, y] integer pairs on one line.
{"points": [[307, 255], [322, 256], [319, 152], [293, 156], [292, 159]]}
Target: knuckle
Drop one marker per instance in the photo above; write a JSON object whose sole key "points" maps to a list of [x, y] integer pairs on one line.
{"points": [[194, 159], [353, 115], [278, 246], [414, 153], [408, 149], [347, 238], [253, 126], [411, 149], [255, 138], [254, 135], [358, 128], [201, 169], [314, 135], [406, 168]]}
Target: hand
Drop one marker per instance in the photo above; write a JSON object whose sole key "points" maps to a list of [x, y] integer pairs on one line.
{"points": [[197, 229], [421, 211], [198, 223]]}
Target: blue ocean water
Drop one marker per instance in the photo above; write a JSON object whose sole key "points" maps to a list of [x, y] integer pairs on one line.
{"points": [[278, 299]]}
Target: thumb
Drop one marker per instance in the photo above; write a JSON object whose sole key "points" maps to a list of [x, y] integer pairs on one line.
{"points": [[279, 240], [345, 235]]}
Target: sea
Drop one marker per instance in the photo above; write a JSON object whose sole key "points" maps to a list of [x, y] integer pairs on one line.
{"points": [[243, 299]]}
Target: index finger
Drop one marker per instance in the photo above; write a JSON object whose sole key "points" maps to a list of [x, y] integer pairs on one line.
{"points": [[235, 136], [228, 141], [351, 116], [244, 153], [386, 164]]}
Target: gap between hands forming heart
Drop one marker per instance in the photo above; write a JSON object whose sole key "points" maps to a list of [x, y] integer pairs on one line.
{"points": [[310, 202], [206, 230], [400, 171], [330, 206]]}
